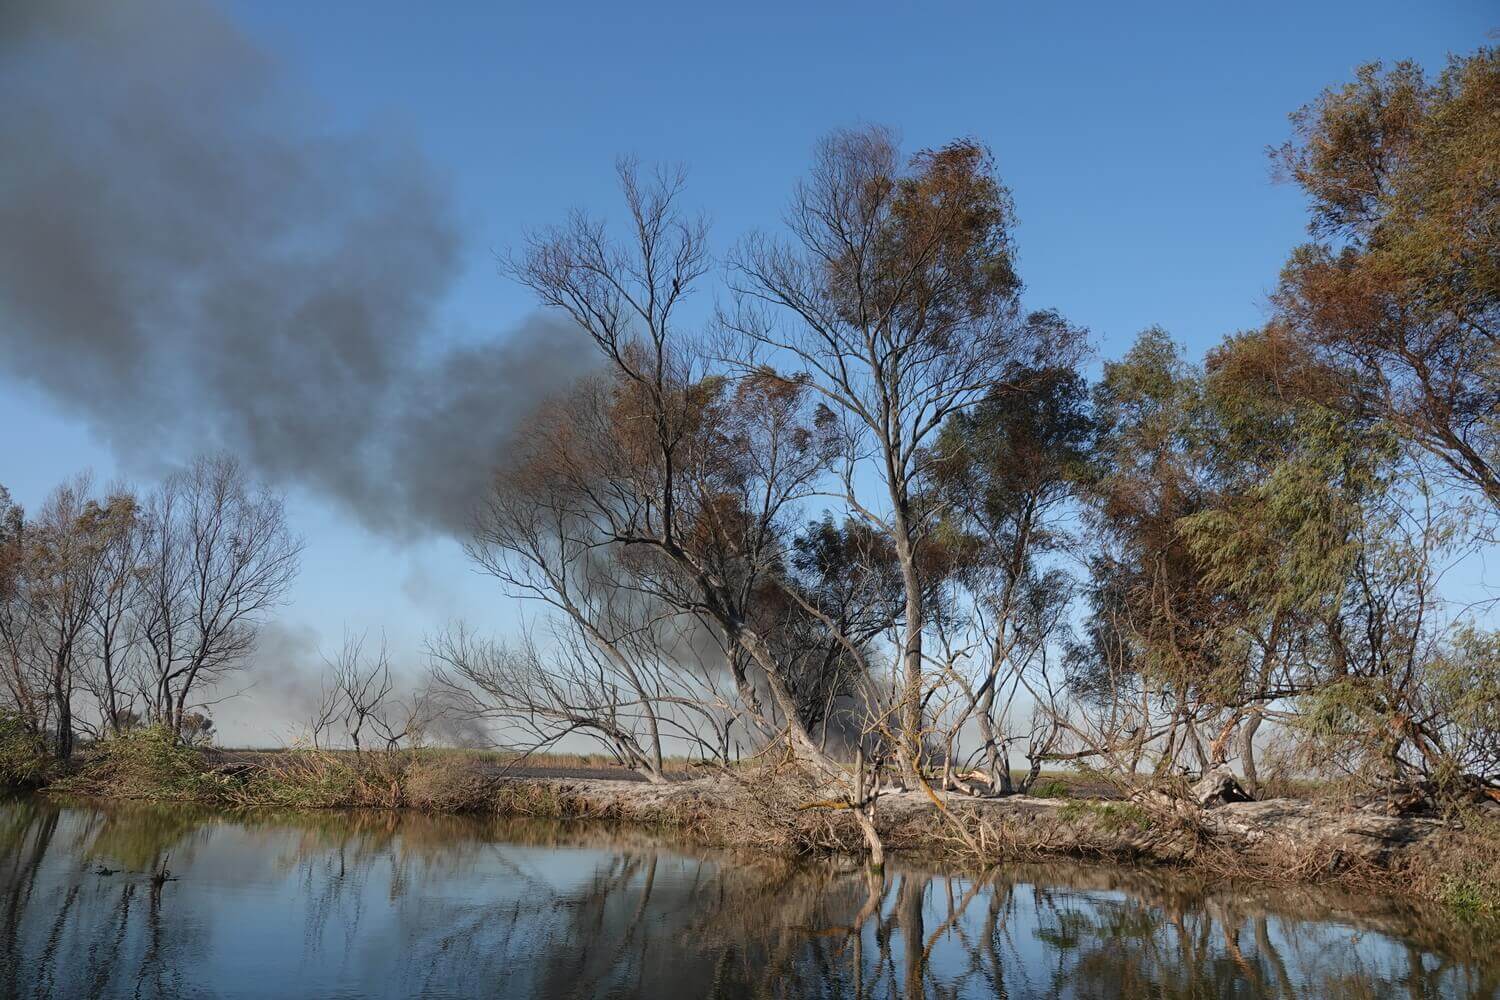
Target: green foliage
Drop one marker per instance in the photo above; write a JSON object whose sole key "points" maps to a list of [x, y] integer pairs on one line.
{"points": [[24, 761], [1460, 688], [1111, 817], [145, 763], [1291, 481], [1001, 466], [1154, 616], [1337, 713], [1471, 895], [1050, 789], [1402, 292]]}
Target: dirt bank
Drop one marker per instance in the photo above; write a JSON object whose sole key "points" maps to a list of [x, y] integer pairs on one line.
{"points": [[1273, 832]]}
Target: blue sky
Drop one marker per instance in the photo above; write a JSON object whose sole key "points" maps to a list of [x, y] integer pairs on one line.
{"points": [[1133, 141]]}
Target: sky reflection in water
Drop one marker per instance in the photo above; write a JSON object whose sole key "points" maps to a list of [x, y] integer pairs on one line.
{"points": [[344, 905]]}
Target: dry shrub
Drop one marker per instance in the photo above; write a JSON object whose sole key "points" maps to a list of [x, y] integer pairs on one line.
{"points": [[24, 761], [300, 778], [1313, 862], [450, 783], [303, 778], [769, 806], [545, 799]]}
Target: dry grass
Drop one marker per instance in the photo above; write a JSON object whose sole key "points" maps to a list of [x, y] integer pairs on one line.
{"points": [[498, 759], [23, 756]]}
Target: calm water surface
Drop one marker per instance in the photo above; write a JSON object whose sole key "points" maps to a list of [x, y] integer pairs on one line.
{"points": [[379, 905]]}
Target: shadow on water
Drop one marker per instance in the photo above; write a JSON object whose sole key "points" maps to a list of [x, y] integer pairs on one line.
{"points": [[383, 904]]}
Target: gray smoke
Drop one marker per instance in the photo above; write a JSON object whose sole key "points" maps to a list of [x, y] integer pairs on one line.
{"points": [[190, 259]]}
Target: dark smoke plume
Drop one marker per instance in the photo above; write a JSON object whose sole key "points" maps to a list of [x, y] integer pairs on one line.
{"points": [[189, 259]]}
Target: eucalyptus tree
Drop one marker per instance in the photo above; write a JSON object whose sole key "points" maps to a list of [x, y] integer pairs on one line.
{"points": [[1401, 286], [838, 596], [25, 688], [897, 294], [1396, 301], [1008, 471], [1149, 656]]}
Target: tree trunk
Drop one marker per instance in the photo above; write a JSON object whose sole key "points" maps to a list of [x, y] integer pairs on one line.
{"points": [[651, 769], [830, 769], [1247, 750], [996, 763], [911, 654], [113, 705], [64, 717], [872, 838], [1033, 772]]}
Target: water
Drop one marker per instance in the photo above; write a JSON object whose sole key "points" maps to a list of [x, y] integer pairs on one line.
{"points": [[377, 904]]}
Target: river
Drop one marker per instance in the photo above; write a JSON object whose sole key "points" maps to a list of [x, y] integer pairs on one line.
{"points": [[168, 901]]}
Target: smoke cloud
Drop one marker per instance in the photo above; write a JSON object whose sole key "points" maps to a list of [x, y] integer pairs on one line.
{"points": [[191, 259]]}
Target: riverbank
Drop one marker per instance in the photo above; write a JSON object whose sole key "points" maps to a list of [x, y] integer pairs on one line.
{"points": [[1453, 858]]}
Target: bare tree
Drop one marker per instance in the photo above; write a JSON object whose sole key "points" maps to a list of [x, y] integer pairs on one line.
{"points": [[572, 688], [691, 477], [219, 558], [113, 621], [63, 566], [531, 537], [360, 694]]}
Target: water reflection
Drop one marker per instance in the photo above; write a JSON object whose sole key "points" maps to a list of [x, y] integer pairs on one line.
{"points": [[376, 904]]}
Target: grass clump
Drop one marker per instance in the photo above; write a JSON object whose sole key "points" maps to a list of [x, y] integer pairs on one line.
{"points": [[1050, 789], [146, 763], [439, 783], [308, 778], [302, 779], [24, 761], [1470, 895], [1465, 875], [1111, 817]]}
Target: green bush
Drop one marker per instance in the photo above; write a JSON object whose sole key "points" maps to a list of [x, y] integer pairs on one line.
{"points": [[1050, 789], [24, 761], [1473, 894], [1111, 817], [145, 763]]}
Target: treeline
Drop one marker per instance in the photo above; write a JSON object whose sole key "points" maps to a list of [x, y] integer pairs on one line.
{"points": [[119, 609], [868, 509], [861, 513]]}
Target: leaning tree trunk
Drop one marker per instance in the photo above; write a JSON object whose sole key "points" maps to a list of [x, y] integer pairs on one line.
{"points": [[859, 799], [997, 763], [1247, 750]]}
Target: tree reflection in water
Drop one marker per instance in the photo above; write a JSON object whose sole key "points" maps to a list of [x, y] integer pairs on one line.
{"points": [[382, 904]]}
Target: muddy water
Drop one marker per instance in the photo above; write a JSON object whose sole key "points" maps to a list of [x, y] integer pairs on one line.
{"points": [[380, 905]]}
